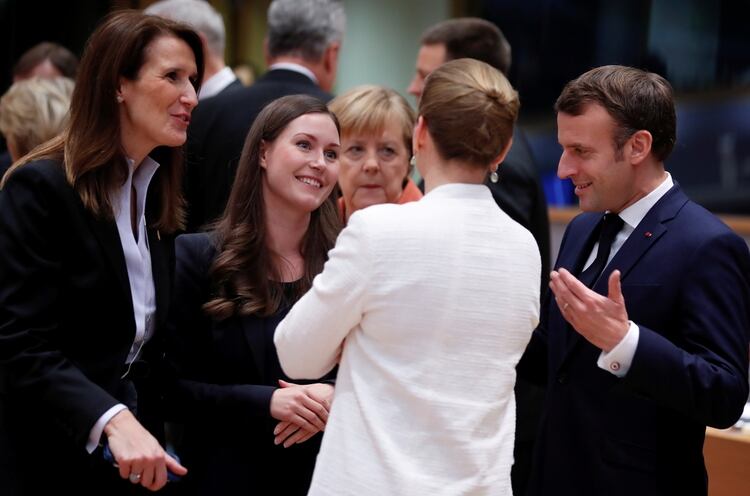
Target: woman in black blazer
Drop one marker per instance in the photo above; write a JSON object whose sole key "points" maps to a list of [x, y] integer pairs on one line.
{"points": [[246, 430], [85, 223]]}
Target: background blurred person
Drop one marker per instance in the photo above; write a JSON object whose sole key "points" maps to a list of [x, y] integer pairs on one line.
{"points": [[233, 285], [85, 268], [376, 129], [424, 398], [208, 23], [33, 111], [47, 60], [302, 49]]}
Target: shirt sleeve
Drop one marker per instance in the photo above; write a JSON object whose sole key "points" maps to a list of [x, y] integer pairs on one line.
{"points": [[619, 359], [96, 431]]}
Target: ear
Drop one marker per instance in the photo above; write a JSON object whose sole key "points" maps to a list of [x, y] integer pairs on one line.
{"points": [[266, 55], [418, 138], [640, 146], [331, 57], [504, 152], [262, 154], [121, 90]]}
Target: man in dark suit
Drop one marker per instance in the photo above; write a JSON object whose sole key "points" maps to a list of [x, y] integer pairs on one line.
{"points": [[302, 48], [517, 190], [644, 341], [208, 23]]}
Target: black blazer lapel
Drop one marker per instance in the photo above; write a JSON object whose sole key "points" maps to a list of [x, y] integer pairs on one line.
{"points": [[106, 234]]}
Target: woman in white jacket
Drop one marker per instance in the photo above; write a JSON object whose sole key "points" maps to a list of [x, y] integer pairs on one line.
{"points": [[427, 308]]}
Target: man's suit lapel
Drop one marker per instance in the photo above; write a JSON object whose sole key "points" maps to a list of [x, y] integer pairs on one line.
{"points": [[646, 234]]}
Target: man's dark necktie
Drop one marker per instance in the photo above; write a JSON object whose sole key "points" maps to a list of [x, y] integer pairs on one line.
{"points": [[609, 227]]}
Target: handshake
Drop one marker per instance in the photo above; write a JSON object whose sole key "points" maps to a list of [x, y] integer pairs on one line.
{"points": [[302, 411]]}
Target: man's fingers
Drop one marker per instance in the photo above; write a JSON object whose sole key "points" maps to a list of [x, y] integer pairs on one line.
{"points": [[615, 288]]}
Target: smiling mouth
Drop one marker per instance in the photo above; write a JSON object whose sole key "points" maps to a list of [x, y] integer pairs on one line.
{"points": [[310, 181], [182, 117], [582, 186]]}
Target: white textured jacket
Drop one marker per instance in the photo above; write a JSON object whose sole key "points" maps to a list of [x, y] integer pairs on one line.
{"points": [[427, 307]]}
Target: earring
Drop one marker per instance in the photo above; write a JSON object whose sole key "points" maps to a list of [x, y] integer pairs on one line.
{"points": [[413, 161], [494, 177], [119, 98]]}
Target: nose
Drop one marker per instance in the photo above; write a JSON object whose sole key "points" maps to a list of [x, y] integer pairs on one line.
{"points": [[371, 164], [416, 86], [189, 97], [566, 166], [319, 162]]}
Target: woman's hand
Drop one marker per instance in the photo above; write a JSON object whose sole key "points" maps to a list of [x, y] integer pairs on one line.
{"points": [[292, 432], [139, 456]]}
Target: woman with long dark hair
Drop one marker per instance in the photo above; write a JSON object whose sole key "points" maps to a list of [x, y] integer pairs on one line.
{"points": [[85, 223], [246, 428]]}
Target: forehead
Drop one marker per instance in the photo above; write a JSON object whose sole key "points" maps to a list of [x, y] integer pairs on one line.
{"points": [[318, 125], [387, 128], [169, 50], [593, 126], [430, 57]]}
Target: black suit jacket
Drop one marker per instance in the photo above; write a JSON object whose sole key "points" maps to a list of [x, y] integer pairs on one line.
{"points": [[217, 133], [686, 284], [66, 327], [225, 374]]}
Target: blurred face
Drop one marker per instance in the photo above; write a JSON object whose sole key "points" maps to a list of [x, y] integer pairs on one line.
{"points": [[301, 164], [602, 181], [45, 69], [373, 167], [155, 108], [429, 58]]}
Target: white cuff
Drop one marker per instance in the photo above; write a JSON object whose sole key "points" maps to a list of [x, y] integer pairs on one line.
{"points": [[620, 358], [96, 431]]}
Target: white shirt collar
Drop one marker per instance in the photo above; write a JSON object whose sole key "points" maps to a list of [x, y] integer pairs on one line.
{"points": [[291, 66], [634, 214], [139, 179], [213, 85]]}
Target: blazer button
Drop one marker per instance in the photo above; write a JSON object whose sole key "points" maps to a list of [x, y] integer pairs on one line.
{"points": [[562, 378]]}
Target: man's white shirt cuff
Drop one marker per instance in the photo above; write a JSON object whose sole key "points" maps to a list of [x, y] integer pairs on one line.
{"points": [[620, 358], [96, 431]]}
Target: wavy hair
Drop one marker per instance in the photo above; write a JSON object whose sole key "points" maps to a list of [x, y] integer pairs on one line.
{"points": [[244, 277]]}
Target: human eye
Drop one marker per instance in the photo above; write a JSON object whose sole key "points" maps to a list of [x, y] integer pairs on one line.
{"points": [[303, 144], [331, 155], [171, 75], [354, 151], [387, 152]]}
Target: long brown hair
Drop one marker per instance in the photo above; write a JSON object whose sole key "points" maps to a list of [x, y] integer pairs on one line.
{"points": [[90, 146], [244, 275]]}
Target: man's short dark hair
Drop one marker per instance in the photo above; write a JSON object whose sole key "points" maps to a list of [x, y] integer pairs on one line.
{"points": [[636, 100], [473, 38], [59, 56]]}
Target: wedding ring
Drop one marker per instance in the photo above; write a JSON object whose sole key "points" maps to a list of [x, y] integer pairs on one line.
{"points": [[134, 478], [565, 307]]}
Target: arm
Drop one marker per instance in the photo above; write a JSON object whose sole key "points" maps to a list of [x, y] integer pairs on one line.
{"points": [[704, 374], [191, 392], [309, 340], [34, 215]]}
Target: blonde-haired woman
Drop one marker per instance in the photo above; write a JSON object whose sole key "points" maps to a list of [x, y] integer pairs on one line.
{"points": [[427, 341], [33, 111], [376, 129]]}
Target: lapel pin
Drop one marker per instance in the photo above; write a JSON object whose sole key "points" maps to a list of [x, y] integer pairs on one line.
{"points": [[648, 234]]}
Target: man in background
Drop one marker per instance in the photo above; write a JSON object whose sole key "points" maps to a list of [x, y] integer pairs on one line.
{"points": [[302, 50], [517, 192], [208, 23]]}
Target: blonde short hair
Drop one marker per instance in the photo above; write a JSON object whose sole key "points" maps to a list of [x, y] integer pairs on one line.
{"points": [[367, 109], [469, 108], [34, 110]]}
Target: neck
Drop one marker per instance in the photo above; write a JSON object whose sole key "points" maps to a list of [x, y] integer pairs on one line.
{"points": [[213, 65], [285, 231], [440, 172], [651, 176], [315, 67]]}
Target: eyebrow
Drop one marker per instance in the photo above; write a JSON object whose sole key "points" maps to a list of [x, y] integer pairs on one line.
{"points": [[313, 138]]}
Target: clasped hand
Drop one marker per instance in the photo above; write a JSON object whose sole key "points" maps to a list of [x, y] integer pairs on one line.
{"points": [[602, 320], [302, 409]]}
